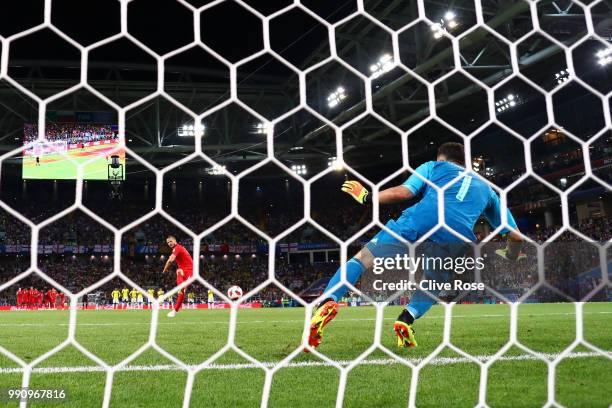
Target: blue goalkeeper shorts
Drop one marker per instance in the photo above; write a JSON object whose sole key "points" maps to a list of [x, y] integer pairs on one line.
{"points": [[385, 245]]}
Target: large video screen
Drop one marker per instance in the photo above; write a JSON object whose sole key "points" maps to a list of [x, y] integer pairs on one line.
{"points": [[82, 142]]}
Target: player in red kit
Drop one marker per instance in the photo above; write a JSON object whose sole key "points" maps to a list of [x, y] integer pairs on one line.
{"points": [[39, 299], [48, 299], [32, 297], [184, 269], [25, 298], [19, 297], [53, 298]]}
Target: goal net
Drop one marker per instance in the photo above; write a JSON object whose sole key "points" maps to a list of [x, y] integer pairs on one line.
{"points": [[403, 92]]}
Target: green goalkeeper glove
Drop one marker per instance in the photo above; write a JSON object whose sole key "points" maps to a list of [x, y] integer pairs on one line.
{"points": [[356, 190], [511, 253]]}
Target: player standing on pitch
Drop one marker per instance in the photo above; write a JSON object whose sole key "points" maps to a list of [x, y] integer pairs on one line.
{"points": [[184, 270], [464, 202]]}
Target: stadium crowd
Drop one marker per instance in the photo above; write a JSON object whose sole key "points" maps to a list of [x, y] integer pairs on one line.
{"points": [[78, 271], [73, 133], [89, 256], [565, 262], [78, 229]]}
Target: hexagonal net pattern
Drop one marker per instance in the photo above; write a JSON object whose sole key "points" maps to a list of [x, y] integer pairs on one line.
{"points": [[268, 126]]}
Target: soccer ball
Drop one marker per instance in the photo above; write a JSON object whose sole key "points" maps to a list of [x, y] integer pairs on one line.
{"points": [[234, 292]]}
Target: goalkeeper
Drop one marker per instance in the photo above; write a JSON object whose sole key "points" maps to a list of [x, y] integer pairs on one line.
{"points": [[464, 202]]}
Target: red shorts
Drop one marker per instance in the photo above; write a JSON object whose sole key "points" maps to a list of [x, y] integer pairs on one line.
{"points": [[186, 275]]}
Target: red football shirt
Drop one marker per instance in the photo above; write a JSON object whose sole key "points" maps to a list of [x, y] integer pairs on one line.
{"points": [[183, 259]]}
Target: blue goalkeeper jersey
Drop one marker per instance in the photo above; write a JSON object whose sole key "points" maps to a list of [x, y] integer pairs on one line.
{"points": [[464, 202]]}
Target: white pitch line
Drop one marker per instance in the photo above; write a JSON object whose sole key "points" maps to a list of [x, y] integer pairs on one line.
{"points": [[217, 322], [270, 364]]}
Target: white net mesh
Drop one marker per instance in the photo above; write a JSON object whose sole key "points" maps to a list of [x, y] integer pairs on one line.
{"points": [[484, 362]]}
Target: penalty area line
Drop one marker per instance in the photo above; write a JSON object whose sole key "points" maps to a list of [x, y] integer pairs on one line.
{"points": [[270, 364]]}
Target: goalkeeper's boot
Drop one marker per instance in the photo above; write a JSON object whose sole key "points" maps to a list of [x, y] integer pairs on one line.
{"points": [[324, 314], [404, 330], [172, 313]]}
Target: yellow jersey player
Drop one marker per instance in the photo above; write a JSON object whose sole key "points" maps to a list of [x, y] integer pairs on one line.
{"points": [[151, 293], [211, 299], [125, 296], [140, 300], [133, 297], [115, 295], [160, 293], [191, 300]]}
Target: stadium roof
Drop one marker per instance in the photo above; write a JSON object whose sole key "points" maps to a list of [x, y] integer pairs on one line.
{"points": [[125, 73]]}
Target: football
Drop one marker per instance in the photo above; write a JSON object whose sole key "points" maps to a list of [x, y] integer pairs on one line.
{"points": [[234, 292]]}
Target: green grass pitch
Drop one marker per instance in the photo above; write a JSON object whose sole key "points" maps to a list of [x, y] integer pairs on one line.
{"points": [[269, 335]]}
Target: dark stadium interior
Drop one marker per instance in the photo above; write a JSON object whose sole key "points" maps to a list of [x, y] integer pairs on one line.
{"points": [[271, 198]]}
